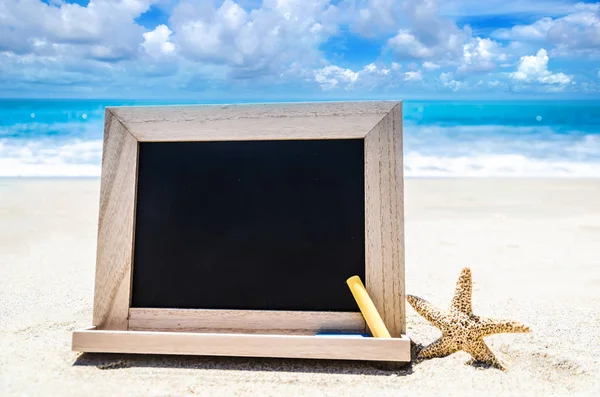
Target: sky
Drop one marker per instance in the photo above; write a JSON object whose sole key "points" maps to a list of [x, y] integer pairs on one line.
{"points": [[299, 49]]}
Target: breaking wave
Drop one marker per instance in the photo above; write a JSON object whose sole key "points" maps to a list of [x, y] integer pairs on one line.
{"points": [[48, 139]]}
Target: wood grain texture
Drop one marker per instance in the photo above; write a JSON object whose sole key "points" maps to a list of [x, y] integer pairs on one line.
{"points": [[282, 346], [115, 226], [384, 220], [384, 195], [326, 120], [244, 321]]}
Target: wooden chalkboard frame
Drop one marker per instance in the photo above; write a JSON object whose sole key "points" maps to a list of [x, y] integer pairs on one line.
{"points": [[117, 327]]}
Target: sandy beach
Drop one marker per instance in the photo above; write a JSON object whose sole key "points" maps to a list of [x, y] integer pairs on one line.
{"points": [[533, 247]]}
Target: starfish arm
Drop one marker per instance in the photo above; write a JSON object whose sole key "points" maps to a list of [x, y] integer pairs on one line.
{"points": [[490, 326], [439, 348], [480, 352], [463, 293], [431, 313]]}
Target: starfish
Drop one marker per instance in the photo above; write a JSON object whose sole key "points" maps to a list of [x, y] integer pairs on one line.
{"points": [[461, 329]]}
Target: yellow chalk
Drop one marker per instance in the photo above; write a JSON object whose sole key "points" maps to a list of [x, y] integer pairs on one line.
{"points": [[367, 308]]}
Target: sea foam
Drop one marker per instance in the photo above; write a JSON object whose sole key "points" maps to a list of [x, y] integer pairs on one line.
{"points": [[441, 139]]}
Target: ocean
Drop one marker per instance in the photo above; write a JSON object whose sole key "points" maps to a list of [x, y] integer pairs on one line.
{"points": [[63, 138]]}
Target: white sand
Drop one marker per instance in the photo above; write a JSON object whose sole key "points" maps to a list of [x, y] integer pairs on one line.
{"points": [[533, 247]]}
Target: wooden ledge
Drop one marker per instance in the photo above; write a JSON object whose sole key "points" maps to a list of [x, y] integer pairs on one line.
{"points": [[244, 321], [333, 347]]}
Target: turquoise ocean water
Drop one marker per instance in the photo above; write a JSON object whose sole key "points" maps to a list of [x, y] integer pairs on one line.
{"points": [[63, 138]]}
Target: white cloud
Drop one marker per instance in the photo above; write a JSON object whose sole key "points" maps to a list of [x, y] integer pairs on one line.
{"points": [[459, 8], [429, 36], [156, 43], [479, 55], [413, 76], [58, 69], [534, 32], [265, 41], [406, 42], [261, 41], [371, 17], [369, 77], [579, 31], [534, 68], [330, 76], [447, 80], [210, 44], [440, 42], [103, 30], [430, 65], [396, 66]]}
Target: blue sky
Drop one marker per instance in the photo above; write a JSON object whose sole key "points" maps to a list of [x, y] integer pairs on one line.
{"points": [[299, 49]]}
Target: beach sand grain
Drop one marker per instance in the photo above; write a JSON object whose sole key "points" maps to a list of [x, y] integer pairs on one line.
{"points": [[533, 246]]}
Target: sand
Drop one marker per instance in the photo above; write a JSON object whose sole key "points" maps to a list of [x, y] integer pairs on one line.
{"points": [[533, 247]]}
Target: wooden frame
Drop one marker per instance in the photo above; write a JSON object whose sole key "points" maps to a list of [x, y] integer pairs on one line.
{"points": [[118, 327]]}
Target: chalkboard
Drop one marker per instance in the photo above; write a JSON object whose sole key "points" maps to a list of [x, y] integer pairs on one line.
{"points": [[232, 230], [261, 225]]}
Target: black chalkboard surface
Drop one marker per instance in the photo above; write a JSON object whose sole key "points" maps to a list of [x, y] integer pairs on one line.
{"points": [[262, 225]]}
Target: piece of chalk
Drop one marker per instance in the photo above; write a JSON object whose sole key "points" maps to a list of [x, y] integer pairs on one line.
{"points": [[367, 308]]}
